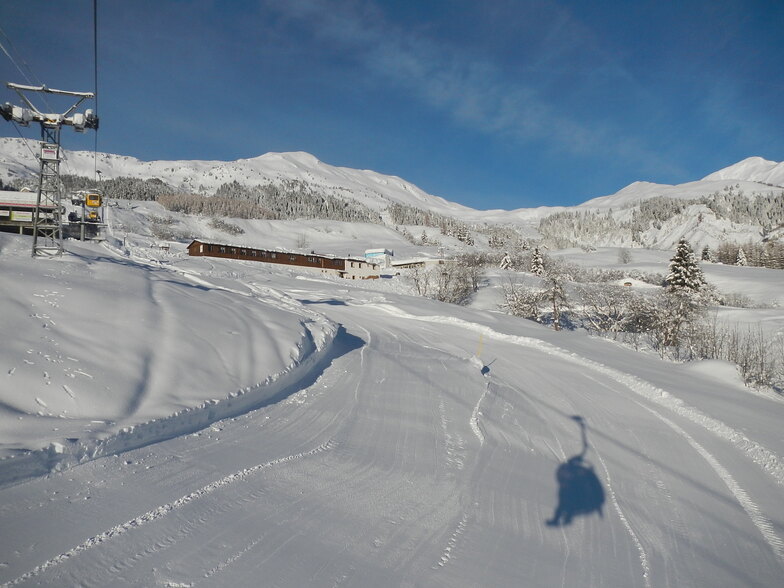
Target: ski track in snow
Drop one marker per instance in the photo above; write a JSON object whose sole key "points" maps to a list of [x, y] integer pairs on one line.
{"points": [[163, 510], [450, 545], [646, 566], [767, 460], [760, 521], [475, 417], [230, 560]]}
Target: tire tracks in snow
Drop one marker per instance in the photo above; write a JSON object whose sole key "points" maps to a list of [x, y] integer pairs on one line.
{"points": [[162, 511]]}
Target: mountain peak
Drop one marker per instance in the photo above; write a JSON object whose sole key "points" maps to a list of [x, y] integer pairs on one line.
{"points": [[296, 158], [753, 169]]}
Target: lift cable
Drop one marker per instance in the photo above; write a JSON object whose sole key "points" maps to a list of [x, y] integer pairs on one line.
{"points": [[11, 57], [25, 76], [25, 141], [95, 79], [31, 79]]}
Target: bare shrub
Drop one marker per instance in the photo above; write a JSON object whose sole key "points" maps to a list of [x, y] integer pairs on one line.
{"points": [[447, 282], [226, 227]]}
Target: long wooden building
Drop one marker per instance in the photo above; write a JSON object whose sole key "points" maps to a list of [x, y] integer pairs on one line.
{"points": [[343, 267]]}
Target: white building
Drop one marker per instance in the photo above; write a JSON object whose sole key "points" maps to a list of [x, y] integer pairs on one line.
{"points": [[380, 257]]}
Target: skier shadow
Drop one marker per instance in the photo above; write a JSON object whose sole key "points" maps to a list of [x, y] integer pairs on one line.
{"points": [[579, 490]]}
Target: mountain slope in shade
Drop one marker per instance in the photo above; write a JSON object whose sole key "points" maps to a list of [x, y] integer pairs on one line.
{"points": [[755, 169]]}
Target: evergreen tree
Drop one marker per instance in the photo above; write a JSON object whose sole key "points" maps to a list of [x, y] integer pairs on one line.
{"points": [[537, 262], [685, 275], [741, 259], [706, 253], [683, 297]]}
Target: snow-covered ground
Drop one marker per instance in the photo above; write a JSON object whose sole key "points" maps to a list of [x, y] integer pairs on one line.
{"points": [[175, 421]]}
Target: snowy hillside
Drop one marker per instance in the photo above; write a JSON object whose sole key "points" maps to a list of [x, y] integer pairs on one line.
{"points": [[702, 222], [634, 193], [168, 420], [754, 169], [372, 189]]}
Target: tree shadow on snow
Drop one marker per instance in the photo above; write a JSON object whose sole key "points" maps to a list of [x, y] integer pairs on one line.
{"points": [[579, 490]]}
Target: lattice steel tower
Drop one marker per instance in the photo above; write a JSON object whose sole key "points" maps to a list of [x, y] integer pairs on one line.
{"points": [[47, 215]]}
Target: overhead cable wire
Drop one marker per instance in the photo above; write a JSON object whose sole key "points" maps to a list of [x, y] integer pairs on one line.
{"points": [[95, 88], [11, 57], [24, 140], [31, 79]]}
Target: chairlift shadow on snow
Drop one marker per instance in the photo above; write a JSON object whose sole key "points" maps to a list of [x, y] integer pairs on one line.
{"points": [[580, 491], [486, 368]]}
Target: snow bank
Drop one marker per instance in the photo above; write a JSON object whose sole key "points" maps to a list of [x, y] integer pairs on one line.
{"points": [[108, 354]]}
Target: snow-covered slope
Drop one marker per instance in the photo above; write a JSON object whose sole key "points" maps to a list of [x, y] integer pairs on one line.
{"points": [[423, 445], [754, 169], [377, 191], [368, 187], [634, 193]]}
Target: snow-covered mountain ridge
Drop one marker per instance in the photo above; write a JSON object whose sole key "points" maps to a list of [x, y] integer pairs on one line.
{"points": [[754, 169], [371, 188], [701, 224]]}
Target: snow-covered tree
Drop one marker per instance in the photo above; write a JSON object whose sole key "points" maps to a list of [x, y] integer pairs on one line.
{"points": [[685, 275], [604, 308], [522, 301], [706, 253], [683, 297], [537, 262], [741, 259], [555, 278]]}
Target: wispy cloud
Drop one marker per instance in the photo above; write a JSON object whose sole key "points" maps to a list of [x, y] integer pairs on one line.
{"points": [[471, 89]]}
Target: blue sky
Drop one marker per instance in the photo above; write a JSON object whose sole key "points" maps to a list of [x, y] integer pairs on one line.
{"points": [[495, 104]]}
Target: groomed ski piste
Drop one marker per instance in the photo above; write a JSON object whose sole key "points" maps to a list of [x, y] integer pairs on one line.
{"points": [[205, 422]]}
